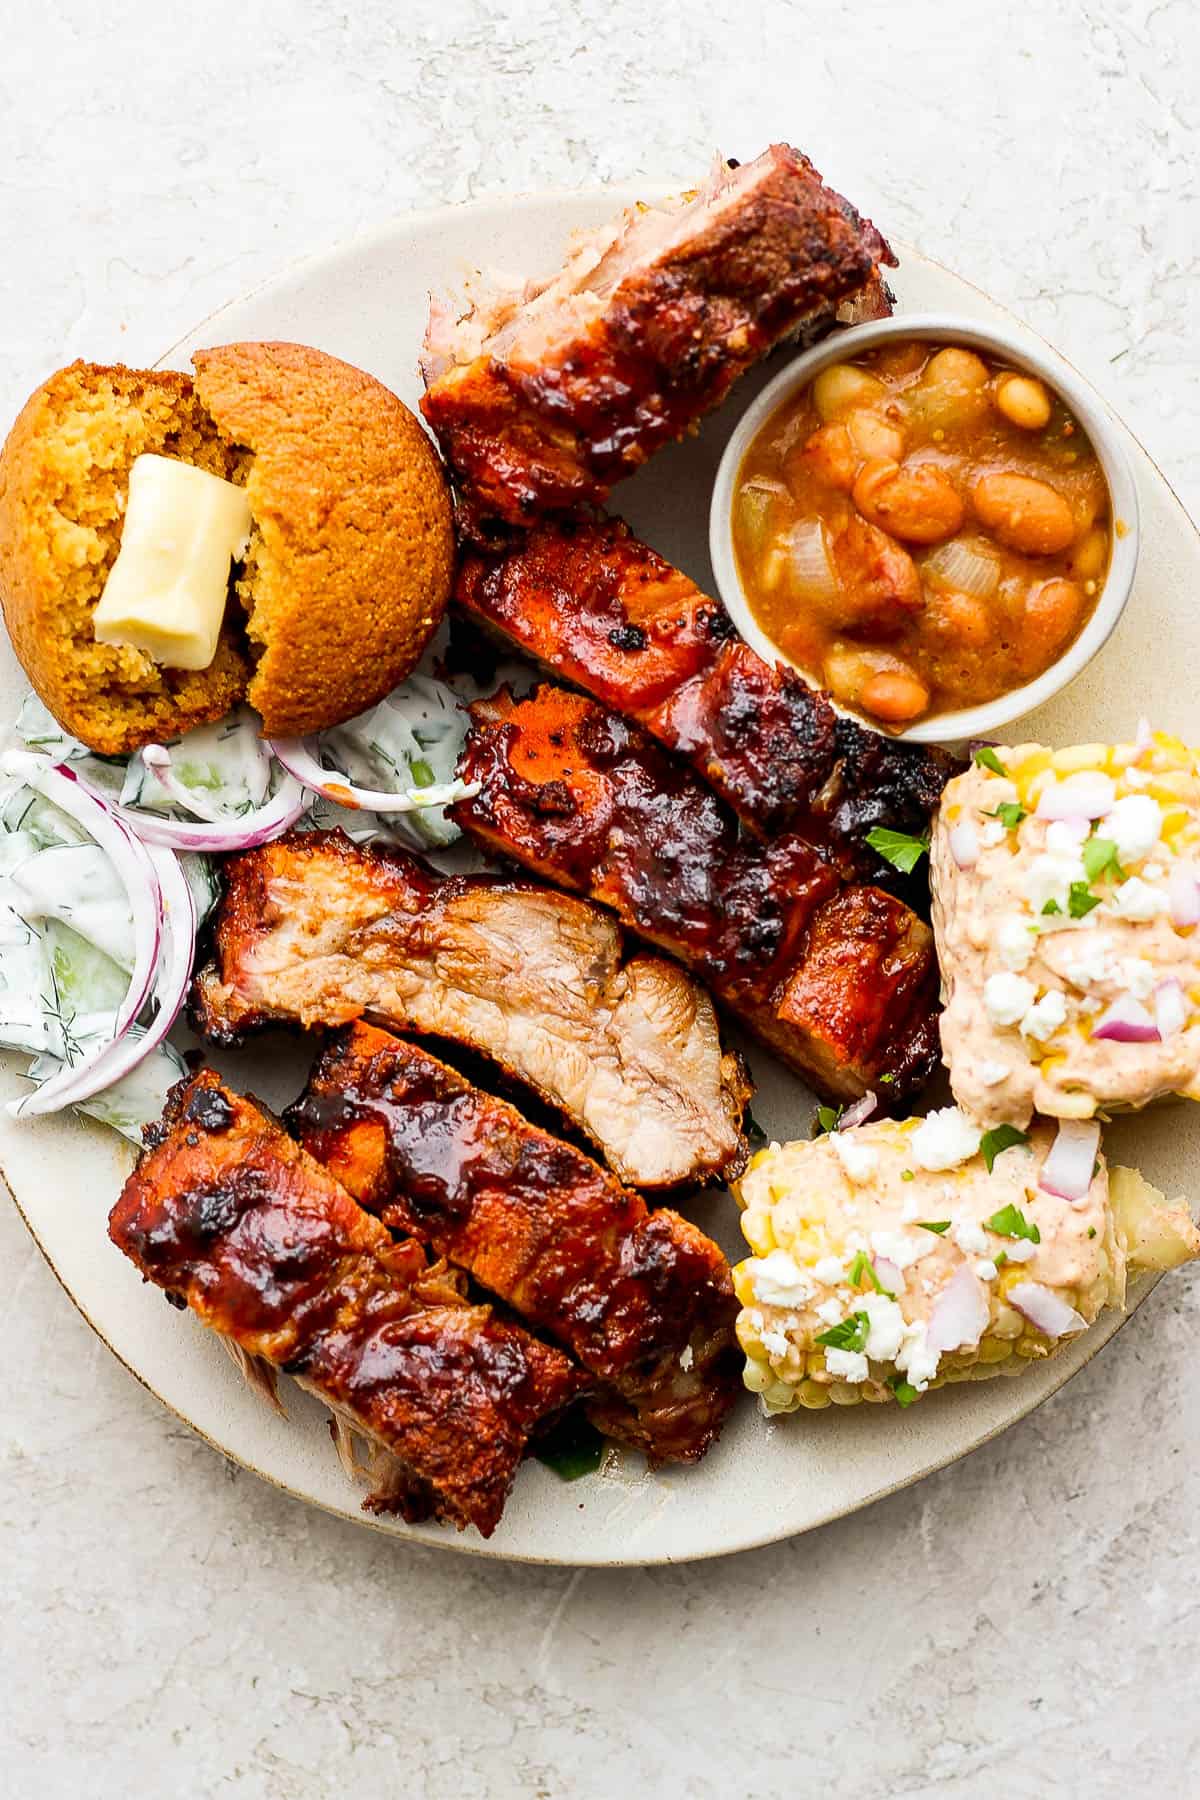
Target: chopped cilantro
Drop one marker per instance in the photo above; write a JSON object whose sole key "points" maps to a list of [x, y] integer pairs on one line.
{"points": [[1091, 1231], [851, 1334], [987, 759], [904, 1391], [907, 1175], [1051, 907], [1011, 1222], [898, 848], [1010, 813], [1080, 901], [1099, 854], [938, 1225], [862, 1265], [1002, 1138], [886, 1080], [1000, 1258], [571, 1448], [827, 1119]]}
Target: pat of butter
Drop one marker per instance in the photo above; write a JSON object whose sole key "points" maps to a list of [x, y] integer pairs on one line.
{"points": [[166, 592]]}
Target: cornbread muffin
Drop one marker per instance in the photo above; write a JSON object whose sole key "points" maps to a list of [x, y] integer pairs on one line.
{"points": [[349, 565]]}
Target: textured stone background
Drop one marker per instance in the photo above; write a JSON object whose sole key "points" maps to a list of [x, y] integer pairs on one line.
{"points": [[1021, 1627]]}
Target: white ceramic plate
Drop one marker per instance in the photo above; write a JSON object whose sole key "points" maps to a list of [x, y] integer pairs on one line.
{"points": [[366, 302]]}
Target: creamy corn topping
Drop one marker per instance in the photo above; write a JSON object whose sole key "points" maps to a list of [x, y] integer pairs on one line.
{"points": [[1066, 888], [885, 1260]]}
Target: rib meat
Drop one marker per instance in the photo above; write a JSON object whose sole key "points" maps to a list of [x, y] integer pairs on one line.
{"points": [[643, 1300], [314, 930], [839, 980], [233, 1219], [590, 602], [544, 395]]}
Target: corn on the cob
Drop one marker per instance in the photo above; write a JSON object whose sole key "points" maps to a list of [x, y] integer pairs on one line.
{"points": [[1067, 916], [890, 1259]]}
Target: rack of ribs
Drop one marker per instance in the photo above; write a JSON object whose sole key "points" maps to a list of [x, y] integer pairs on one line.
{"points": [[314, 930], [544, 395], [592, 604], [232, 1218], [839, 980], [642, 1299]]}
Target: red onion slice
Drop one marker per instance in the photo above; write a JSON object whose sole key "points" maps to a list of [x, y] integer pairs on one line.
{"points": [[1183, 895], [1045, 1309], [1067, 1170], [858, 1113], [1170, 1008], [964, 844], [300, 759], [1088, 794], [157, 759], [61, 786], [122, 1055], [960, 1313], [1127, 1021], [245, 832]]}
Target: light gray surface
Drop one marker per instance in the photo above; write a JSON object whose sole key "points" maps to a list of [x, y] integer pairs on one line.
{"points": [[1023, 1625]]}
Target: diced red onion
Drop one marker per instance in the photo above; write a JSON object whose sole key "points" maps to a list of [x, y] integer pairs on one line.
{"points": [[1127, 1021], [964, 844], [1045, 1309], [1183, 895], [1087, 794], [859, 1112], [890, 1275], [960, 1313], [1170, 1008], [1067, 1170], [1143, 739], [299, 757]]}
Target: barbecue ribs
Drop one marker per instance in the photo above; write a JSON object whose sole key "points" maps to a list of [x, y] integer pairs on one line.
{"points": [[233, 1219], [643, 1300], [314, 930], [543, 396], [840, 981], [592, 604]]}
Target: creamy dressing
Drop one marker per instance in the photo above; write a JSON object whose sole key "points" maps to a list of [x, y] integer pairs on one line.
{"points": [[1025, 983]]}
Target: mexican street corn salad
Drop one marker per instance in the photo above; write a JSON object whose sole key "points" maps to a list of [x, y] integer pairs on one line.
{"points": [[1066, 911], [900, 1255]]}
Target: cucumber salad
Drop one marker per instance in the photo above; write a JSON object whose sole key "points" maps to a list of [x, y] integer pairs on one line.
{"points": [[107, 872]]}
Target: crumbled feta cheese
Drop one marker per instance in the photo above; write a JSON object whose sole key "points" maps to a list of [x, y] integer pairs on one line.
{"points": [[1050, 877], [1014, 941], [887, 1327], [1153, 871], [986, 1270], [992, 833], [857, 1159], [830, 1270], [1089, 967], [1063, 836], [1135, 899], [830, 1312], [915, 1359], [1134, 825], [1007, 998], [773, 1342], [1046, 1017], [847, 1365], [970, 1237], [778, 1280], [1019, 1250], [991, 1074], [1139, 976], [901, 1247], [946, 1138]]}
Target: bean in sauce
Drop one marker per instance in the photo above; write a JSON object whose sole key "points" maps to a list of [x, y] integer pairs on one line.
{"points": [[922, 529]]}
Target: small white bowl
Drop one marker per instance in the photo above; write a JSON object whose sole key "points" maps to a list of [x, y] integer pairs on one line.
{"points": [[1022, 352]]}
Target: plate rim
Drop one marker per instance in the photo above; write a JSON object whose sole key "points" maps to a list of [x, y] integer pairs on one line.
{"points": [[459, 1542]]}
